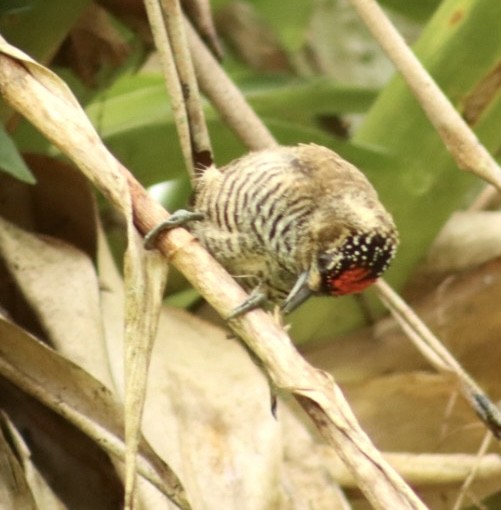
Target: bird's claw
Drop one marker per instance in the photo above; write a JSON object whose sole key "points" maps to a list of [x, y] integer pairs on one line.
{"points": [[177, 219], [255, 300]]}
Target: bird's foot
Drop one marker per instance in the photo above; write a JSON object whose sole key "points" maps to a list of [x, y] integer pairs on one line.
{"points": [[298, 295], [177, 219], [255, 300]]}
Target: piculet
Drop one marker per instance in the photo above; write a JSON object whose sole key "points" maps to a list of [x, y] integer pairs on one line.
{"points": [[292, 222]]}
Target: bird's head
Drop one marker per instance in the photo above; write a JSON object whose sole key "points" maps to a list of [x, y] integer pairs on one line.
{"points": [[355, 264], [350, 256]]}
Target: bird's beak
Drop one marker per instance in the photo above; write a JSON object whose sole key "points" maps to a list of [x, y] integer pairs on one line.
{"points": [[299, 293]]}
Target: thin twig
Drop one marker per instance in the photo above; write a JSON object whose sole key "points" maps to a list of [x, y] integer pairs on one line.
{"points": [[484, 199], [457, 136], [162, 42], [482, 451], [227, 98], [199, 135], [199, 11]]}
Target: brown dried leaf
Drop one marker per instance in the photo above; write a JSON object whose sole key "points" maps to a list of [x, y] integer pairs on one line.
{"points": [[208, 411], [43, 494], [61, 286], [146, 280], [417, 412], [15, 492], [410, 414], [467, 240], [251, 38], [48, 103], [77, 397], [61, 204], [93, 43], [200, 14]]}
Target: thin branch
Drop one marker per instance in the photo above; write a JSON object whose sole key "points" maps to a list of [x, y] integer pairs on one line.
{"points": [[162, 42], [457, 136], [482, 452], [227, 98], [484, 199], [199, 11], [429, 470], [199, 135]]}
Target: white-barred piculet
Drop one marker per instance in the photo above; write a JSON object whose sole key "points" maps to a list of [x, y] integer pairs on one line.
{"points": [[292, 222]]}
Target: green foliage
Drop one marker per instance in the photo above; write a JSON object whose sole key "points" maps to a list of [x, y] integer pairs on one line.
{"points": [[419, 11], [40, 27], [13, 7], [288, 22], [10, 160]]}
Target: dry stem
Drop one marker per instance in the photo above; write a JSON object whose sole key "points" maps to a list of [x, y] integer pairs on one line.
{"points": [[484, 199], [199, 135], [459, 139], [162, 42], [482, 452], [227, 98]]}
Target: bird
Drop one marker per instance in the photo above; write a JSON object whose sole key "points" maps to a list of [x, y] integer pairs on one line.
{"points": [[291, 222]]}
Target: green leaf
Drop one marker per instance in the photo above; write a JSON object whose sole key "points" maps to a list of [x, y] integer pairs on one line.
{"points": [[289, 20], [14, 7], [40, 29], [419, 11], [308, 98], [135, 120], [11, 161]]}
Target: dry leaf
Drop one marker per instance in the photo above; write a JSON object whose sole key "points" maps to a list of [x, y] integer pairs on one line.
{"points": [[208, 411], [14, 489], [60, 284], [60, 205], [43, 494], [145, 279], [93, 43], [77, 397], [468, 240], [48, 103], [251, 38]]}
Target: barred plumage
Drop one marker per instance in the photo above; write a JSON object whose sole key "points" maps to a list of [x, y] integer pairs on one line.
{"points": [[294, 220]]}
